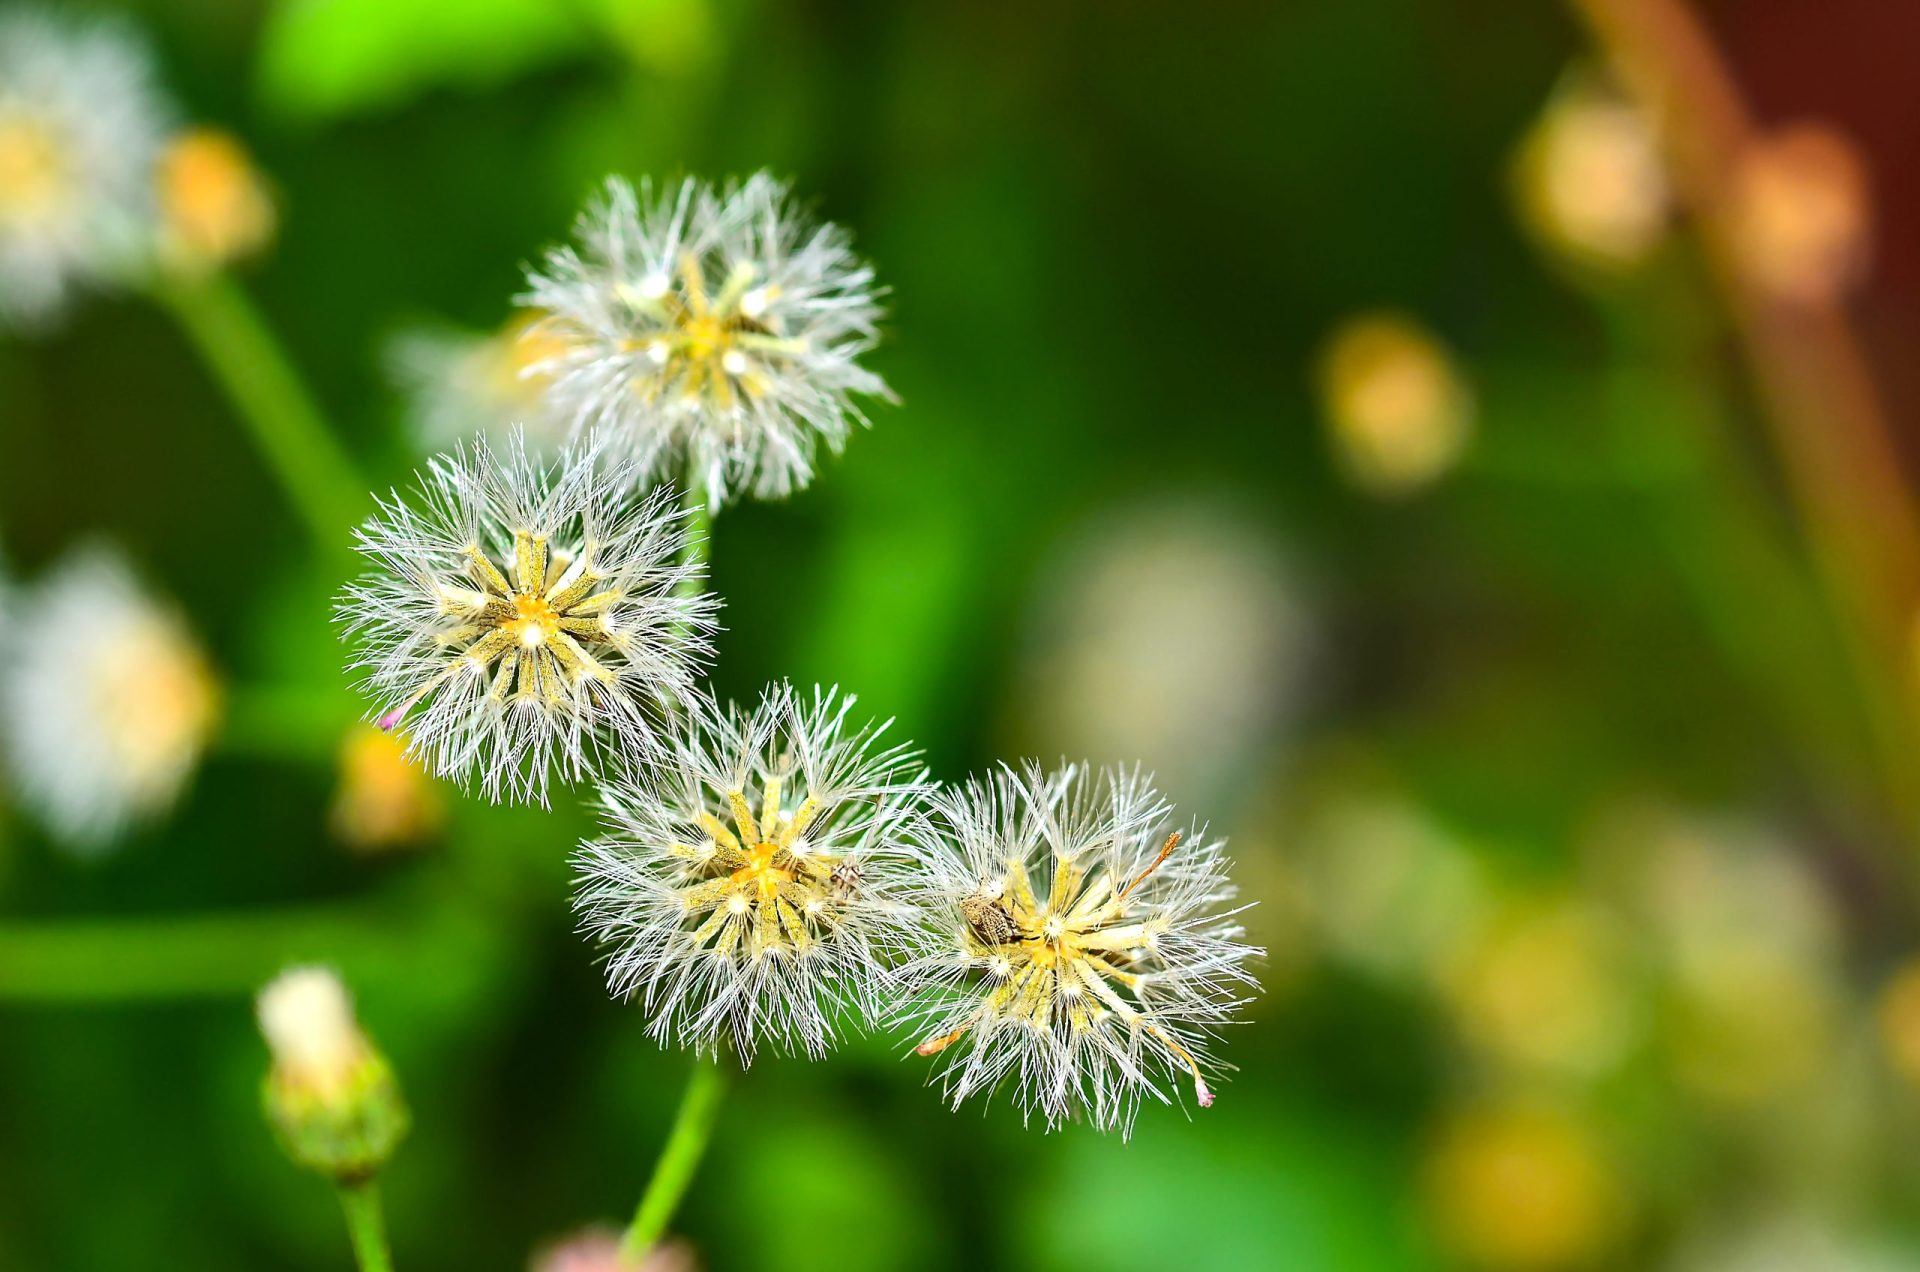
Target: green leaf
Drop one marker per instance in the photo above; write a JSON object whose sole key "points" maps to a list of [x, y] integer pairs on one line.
{"points": [[322, 59]]}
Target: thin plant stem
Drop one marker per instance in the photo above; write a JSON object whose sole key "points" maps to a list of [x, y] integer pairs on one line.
{"points": [[270, 400], [366, 1225], [699, 529], [678, 1160], [1829, 426]]}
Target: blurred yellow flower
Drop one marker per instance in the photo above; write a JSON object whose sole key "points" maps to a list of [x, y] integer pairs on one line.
{"points": [[1802, 214], [1398, 411], [1548, 985], [1899, 1015], [1588, 177], [1522, 1188], [384, 799], [214, 207], [1749, 1023]]}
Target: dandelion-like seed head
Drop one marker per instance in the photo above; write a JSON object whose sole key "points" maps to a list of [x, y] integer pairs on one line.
{"points": [[715, 331], [80, 127], [750, 889], [108, 701], [523, 614], [1080, 947]]}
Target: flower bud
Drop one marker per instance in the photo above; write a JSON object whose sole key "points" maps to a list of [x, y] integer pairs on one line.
{"points": [[1802, 214], [598, 1250], [1398, 410], [330, 1096], [385, 800], [1589, 181], [214, 208]]}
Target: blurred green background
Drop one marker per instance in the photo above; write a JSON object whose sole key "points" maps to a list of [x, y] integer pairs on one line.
{"points": [[1578, 877]]}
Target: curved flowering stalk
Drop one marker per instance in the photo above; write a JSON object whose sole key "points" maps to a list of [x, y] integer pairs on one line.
{"points": [[1078, 946], [80, 130], [749, 888], [527, 615], [713, 332]]}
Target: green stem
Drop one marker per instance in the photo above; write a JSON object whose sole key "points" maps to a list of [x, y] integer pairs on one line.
{"points": [[686, 1143], [366, 1226], [267, 394], [698, 547]]}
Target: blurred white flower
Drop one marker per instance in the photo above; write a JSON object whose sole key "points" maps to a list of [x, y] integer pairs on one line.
{"points": [[749, 887], [1770, 1237], [1391, 889], [1076, 945], [1751, 946], [524, 614], [459, 382], [80, 131], [1171, 635], [714, 332], [107, 700]]}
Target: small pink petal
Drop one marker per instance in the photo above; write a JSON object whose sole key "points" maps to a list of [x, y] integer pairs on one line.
{"points": [[387, 721]]}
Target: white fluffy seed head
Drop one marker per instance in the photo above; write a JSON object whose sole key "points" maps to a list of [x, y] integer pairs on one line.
{"points": [[713, 330], [522, 617], [1077, 947], [722, 933], [106, 699], [456, 382], [308, 1023], [80, 132]]}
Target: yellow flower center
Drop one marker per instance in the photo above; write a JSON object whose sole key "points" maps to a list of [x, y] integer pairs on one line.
{"points": [[534, 621], [758, 886], [705, 347], [1075, 957], [541, 634], [33, 176]]}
